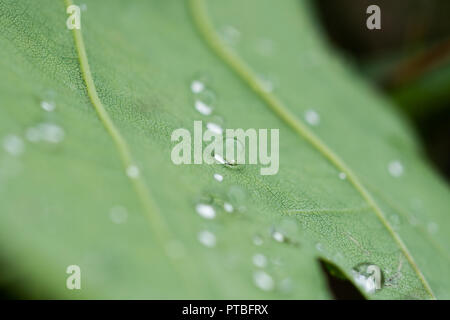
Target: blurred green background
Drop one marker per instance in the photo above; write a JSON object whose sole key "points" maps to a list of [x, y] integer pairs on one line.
{"points": [[409, 59]]}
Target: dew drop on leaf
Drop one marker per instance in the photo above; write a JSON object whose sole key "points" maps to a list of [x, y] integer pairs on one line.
{"points": [[312, 117], [228, 207], [395, 168], [259, 260], [13, 144], [133, 171], [207, 238], [218, 177], [205, 210], [118, 214], [263, 280]]}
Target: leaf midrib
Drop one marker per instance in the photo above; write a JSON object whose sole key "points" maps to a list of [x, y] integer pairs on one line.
{"points": [[206, 29]]}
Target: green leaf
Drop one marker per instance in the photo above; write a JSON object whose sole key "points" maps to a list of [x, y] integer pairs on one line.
{"points": [[121, 85]]}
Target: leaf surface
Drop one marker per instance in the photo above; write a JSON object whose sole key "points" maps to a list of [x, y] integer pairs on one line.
{"points": [[57, 199]]}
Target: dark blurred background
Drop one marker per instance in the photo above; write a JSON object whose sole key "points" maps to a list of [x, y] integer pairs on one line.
{"points": [[409, 59]]}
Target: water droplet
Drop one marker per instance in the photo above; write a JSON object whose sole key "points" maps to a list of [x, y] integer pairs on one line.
{"points": [[208, 239], [432, 227], [203, 108], [197, 86], [48, 105], [278, 236], [267, 83], [133, 171], [258, 241], [286, 285], [118, 214], [368, 276], [342, 176], [319, 247], [259, 260], [238, 197], [214, 128], [230, 35], [233, 160], [395, 168], [206, 211], [312, 117], [48, 132], [218, 177], [228, 207], [263, 280], [13, 145]]}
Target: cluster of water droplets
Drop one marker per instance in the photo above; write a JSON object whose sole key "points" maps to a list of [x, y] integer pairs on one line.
{"points": [[46, 131]]}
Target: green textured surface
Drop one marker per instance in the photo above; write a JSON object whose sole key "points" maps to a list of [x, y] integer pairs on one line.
{"points": [[55, 201]]}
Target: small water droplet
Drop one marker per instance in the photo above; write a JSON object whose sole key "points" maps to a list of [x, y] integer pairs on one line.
{"points": [[312, 117], [205, 210], [319, 247], [214, 128], [259, 260], [197, 86], [48, 132], [230, 35], [432, 227], [395, 168], [263, 280], [13, 145], [278, 236], [233, 160], [286, 285], [228, 207], [258, 241], [203, 108], [342, 176], [133, 171], [48, 105], [267, 83], [118, 214], [218, 177], [207, 238], [368, 276]]}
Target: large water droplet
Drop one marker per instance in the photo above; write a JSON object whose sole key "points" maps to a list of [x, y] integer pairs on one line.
{"points": [[205, 210], [263, 280], [207, 238], [13, 145], [395, 168], [368, 276], [218, 177]]}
